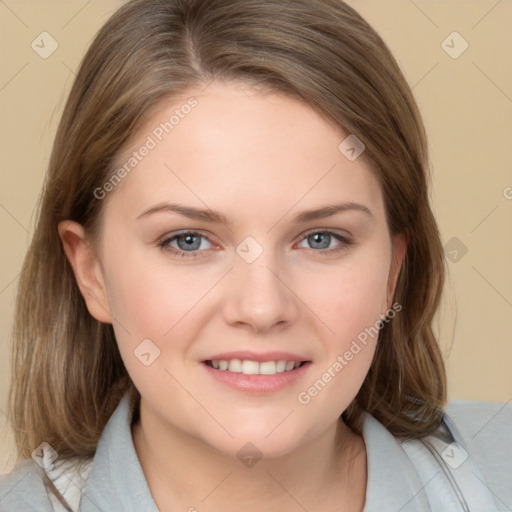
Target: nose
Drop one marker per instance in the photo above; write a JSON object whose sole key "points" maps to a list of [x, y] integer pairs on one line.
{"points": [[258, 296]]}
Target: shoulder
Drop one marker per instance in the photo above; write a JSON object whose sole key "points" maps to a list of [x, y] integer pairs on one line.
{"points": [[23, 489], [486, 427], [45, 479]]}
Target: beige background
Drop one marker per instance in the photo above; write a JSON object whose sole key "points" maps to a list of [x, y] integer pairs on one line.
{"points": [[467, 107]]}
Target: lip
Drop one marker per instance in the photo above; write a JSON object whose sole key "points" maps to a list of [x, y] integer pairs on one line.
{"points": [[257, 384], [260, 357]]}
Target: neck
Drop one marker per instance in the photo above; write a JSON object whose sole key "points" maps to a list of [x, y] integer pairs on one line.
{"points": [[184, 472]]}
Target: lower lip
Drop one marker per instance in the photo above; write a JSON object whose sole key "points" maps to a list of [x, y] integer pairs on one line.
{"points": [[257, 384]]}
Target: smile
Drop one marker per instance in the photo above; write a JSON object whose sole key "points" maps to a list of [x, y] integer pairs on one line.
{"points": [[256, 377], [250, 367]]}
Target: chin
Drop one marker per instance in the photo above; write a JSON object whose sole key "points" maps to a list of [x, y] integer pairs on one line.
{"points": [[258, 439], [248, 450]]}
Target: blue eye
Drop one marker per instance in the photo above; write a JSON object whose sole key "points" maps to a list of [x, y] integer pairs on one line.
{"points": [[322, 240], [189, 243]]}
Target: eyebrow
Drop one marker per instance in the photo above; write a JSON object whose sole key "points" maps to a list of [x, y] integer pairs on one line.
{"points": [[207, 215]]}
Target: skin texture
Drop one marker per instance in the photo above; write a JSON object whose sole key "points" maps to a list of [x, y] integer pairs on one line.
{"points": [[259, 159]]}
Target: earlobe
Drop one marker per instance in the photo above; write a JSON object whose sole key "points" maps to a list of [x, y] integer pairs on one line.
{"points": [[86, 268], [400, 243]]}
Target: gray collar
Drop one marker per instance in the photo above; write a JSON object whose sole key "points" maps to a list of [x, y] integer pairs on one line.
{"points": [[116, 480], [393, 483]]}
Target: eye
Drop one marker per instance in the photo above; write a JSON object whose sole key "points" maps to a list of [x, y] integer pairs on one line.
{"points": [[188, 243], [323, 239]]}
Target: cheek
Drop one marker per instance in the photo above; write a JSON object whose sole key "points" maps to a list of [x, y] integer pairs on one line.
{"points": [[351, 307], [151, 297], [349, 297], [157, 302]]}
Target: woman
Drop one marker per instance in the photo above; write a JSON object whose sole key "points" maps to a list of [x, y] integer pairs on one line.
{"points": [[228, 298]]}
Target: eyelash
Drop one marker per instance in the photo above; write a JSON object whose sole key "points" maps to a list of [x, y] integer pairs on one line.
{"points": [[164, 244]]}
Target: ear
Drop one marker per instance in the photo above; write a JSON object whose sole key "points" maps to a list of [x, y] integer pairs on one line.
{"points": [[86, 268], [400, 243]]}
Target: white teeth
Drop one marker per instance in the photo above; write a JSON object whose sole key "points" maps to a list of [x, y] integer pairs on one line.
{"points": [[267, 368], [235, 365], [249, 367], [281, 366]]}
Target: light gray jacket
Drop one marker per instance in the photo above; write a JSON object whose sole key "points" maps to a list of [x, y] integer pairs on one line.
{"points": [[402, 477]]}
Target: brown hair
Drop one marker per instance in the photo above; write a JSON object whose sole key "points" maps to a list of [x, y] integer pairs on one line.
{"points": [[68, 376]]}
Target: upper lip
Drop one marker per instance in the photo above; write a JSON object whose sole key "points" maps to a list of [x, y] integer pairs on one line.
{"points": [[256, 356]]}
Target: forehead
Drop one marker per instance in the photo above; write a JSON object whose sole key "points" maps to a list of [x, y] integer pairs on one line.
{"points": [[232, 145]]}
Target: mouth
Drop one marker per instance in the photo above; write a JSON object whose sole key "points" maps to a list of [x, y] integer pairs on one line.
{"points": [[257, 373], [251, 367]]}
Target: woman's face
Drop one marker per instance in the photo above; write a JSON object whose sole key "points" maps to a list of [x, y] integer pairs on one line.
{"points": [[217, 246]]}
